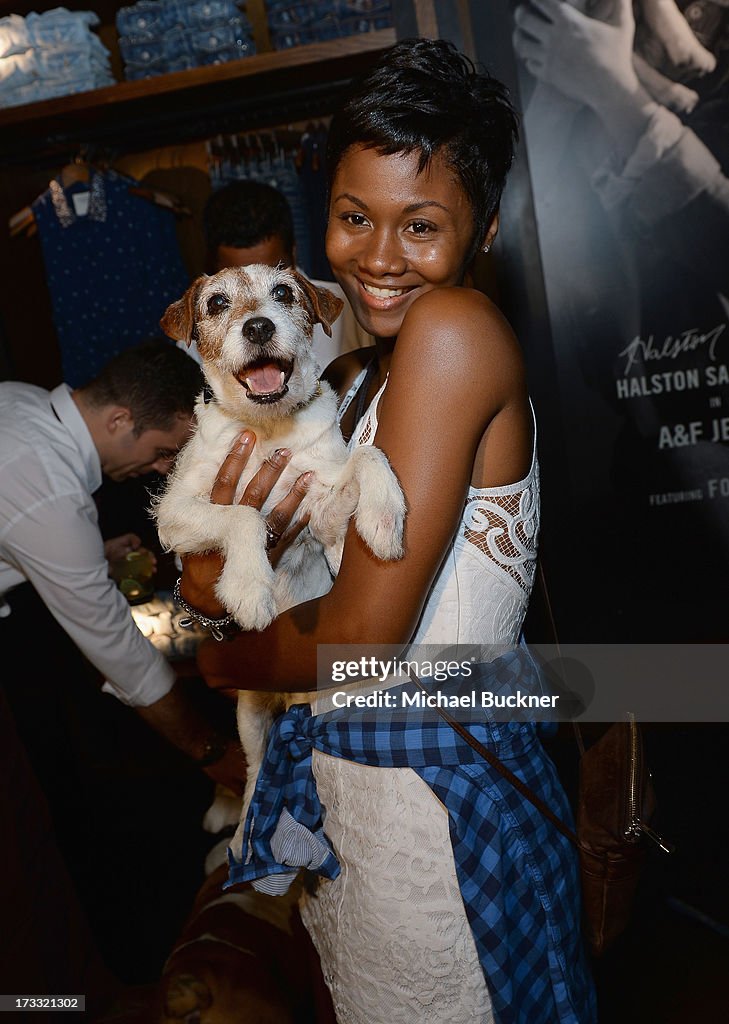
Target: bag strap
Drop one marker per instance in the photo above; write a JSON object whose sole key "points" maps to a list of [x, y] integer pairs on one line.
{"points": [[553, 627], [364, 387], [501, 768], [493, 760]]}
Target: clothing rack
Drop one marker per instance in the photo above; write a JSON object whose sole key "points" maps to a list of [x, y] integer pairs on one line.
{"points": [[90, 158], [250, 154], [291, 159]]}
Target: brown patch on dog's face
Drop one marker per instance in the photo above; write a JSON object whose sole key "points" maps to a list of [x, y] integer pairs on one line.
{"points": [[253, 326], [324, 307], [178, 321]]}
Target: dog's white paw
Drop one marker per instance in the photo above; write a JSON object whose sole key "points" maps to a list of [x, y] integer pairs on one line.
{"points": [[223, 811], [380, 513], [384, 535], [257, 611], [253, 605]]}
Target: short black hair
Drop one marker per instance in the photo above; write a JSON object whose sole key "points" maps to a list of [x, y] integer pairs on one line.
{"points": [[424, 96], [244, 213], [155, 380]]}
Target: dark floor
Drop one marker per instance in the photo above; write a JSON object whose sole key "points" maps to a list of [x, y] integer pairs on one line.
{"points": [[667, 969]]}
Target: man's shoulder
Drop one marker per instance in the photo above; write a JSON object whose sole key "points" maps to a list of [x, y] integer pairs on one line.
{"points": [[22, 391], [23, 408], [40, 450]]}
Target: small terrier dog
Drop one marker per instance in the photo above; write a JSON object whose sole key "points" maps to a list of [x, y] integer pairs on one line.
{"points": [[253, 327]]}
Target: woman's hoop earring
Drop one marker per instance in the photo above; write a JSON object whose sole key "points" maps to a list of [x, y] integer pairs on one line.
{"points": [[486, 248]]}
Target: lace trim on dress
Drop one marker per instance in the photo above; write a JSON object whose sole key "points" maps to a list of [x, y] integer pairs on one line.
{"points": [[366, 429], [503, 522], [349, 397], [504, 528]]}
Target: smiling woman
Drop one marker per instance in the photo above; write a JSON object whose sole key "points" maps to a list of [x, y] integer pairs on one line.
{"points": [[444, 897], [396, 233]]}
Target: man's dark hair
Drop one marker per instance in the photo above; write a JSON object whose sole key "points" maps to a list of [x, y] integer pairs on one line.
{"points": [[424, 96], [243, 213], [156, 381]]}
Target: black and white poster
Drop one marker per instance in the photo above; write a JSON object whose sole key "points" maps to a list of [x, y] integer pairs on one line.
{"points": [[625, 126]]}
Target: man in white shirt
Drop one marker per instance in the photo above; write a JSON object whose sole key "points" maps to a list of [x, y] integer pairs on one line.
{"points": [[249, 222], [54, 447]]}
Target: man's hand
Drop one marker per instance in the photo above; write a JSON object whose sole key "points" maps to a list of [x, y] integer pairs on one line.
{"points": [[178, 717], [119, 547], [583, 57], [230, 770]]}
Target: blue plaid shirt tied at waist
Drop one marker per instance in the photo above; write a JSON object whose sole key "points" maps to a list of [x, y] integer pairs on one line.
{"points": [[517, 874]]}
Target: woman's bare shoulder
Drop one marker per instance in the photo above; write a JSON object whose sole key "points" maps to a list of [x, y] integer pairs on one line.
{"points": [[451, 332], [457, 373]]}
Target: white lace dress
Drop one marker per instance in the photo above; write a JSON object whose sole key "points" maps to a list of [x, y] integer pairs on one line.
{"points": [[391, 929]]}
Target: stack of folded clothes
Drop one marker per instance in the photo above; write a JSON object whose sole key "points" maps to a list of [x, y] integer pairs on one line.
{"points": [[50, 54], [160, 36], [296, 24]]}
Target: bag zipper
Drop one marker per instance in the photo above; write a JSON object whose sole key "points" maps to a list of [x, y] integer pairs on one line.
{"points": [[637, 828]]}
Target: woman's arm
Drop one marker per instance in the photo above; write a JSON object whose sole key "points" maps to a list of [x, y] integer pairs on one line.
{"points": [[455, 373]]}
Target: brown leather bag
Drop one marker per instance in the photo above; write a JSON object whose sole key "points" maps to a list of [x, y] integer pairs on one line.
{"points": [[616, 803]]}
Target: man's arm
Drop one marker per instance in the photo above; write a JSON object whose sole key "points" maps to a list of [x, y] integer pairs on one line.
{"points": [[59, 548], [176, 717]]}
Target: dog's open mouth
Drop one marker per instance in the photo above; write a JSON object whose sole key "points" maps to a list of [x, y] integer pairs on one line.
{"points": [[266, 380]]}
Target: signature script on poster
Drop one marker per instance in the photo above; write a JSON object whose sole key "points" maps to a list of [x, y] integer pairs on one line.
{"points": [[641, 350]]}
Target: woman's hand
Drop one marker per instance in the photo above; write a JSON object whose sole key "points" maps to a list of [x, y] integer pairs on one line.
{"points": [[201, 572]]}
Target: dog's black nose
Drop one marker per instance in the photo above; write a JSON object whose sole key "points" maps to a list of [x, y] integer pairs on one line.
{"points": [[259, 329]]}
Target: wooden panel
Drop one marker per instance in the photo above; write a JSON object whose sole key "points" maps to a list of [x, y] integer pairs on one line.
{"points": [[258, 87]]}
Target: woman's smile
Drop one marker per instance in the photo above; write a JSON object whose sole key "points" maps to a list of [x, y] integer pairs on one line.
{"points": [[380, 297], [382, 293]]}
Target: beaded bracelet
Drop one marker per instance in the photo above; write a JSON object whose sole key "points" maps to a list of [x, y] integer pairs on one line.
{"points": [[221, 629]]}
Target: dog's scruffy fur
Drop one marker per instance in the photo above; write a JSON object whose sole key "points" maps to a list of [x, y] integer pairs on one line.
{"points": [[253, 327]]}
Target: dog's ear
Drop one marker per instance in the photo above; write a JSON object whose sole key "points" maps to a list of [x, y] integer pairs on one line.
{"points": [[178, 321], [324, 306]]}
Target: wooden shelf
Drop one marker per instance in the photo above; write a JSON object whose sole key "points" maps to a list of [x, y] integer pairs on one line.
{"points": [[258, 91]]}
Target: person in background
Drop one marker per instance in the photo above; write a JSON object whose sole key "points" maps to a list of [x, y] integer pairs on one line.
{"points": [[251, 222], [55, 448]]}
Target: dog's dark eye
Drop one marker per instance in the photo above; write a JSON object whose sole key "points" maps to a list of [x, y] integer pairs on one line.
{"points": [[217, 303], [282, 293]]}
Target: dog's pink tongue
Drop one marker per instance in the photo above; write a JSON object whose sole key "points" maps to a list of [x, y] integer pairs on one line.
{"points": [[264, 380]]}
